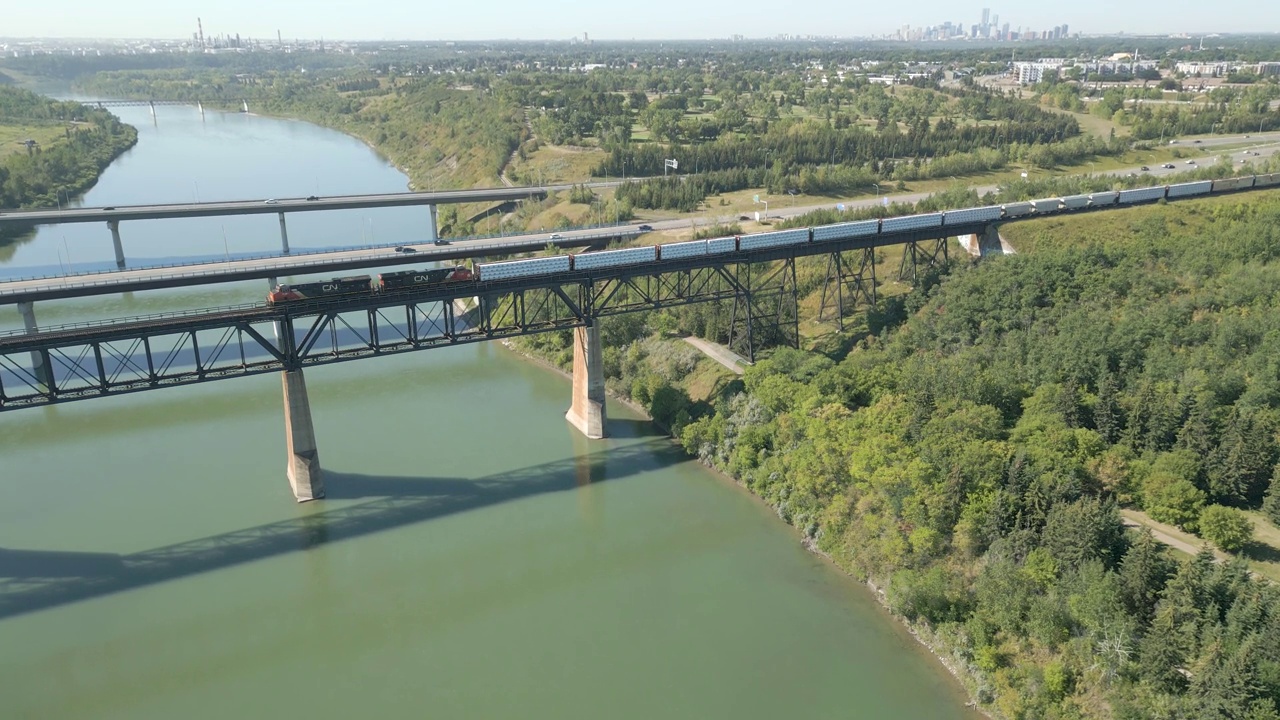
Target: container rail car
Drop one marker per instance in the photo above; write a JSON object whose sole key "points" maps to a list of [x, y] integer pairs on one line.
{"points": [[607, 259]]}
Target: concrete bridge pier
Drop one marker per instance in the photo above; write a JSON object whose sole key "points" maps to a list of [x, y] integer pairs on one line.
{"points": [[284, 235], [152, 105], [115, 240], [433, 228], [300, 437], [587, 413], [989, 241], [40, 365], [200, 106]]}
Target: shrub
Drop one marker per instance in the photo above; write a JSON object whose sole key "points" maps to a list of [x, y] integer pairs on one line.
{"points": [[1225, 527]]}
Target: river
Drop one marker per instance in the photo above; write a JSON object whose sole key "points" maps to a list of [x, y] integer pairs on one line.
{"points": [[475, 558]]}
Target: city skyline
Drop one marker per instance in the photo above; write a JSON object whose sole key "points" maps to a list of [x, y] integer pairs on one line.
{"points": [[506, 19]]}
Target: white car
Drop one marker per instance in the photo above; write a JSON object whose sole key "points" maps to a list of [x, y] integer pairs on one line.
{"points": [[555, 236], [1191, 162], [269, 201]]}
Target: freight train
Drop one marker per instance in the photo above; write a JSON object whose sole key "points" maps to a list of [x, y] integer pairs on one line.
{"points": [[364, 285], [534, 267]]}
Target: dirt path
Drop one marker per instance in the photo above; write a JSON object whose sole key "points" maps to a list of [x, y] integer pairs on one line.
{"points": [[719, 353], [1166, 534]]}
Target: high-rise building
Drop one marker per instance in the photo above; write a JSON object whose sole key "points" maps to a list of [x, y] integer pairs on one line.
{"points": [[986, 17], [1065, 33]]}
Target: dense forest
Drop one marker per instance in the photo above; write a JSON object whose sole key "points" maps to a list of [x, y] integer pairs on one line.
{"points": [[972, 462], [969, 449], [40, 176]]}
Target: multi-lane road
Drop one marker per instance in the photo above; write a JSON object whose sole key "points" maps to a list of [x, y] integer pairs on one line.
{"points": [[257, 207], [221, 271]]}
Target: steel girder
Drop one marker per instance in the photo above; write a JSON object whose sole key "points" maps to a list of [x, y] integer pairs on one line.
{"points": [[922, 253], [851, 276]]}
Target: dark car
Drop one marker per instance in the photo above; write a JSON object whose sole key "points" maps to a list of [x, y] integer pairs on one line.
{"points": [[743, 217], [440, 241], [1168, 166], [109, 207], [403, 249], [311, 198], [1144, 168], [645, 228], [1195, 142]]}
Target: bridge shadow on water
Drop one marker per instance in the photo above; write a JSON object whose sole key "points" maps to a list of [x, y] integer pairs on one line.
{"points": [[32, 580]]}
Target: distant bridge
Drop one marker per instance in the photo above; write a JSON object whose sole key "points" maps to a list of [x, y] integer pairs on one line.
{"points": [[199, 103]]}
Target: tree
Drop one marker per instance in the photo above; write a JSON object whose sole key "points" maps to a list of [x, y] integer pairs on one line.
{"points": [[1106, 412], [1228, 528], [1143, 573], [1271, 505], [1171, 499]]}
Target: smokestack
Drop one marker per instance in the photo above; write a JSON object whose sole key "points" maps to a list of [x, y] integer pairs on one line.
{"points": [[278, 40], [200, 31]]}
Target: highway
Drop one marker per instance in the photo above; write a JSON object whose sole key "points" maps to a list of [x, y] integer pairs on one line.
{"points": [[329, 263], [266, 206]]}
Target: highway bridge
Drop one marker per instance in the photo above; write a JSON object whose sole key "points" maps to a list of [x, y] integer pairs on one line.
{"points": [[754, 275], [113, 216], [33, 290]]}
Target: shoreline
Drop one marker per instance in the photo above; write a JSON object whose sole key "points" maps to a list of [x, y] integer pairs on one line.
{"points": [[917, 633]]}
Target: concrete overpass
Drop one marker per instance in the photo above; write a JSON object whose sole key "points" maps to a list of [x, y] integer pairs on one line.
{"points": [[20, 220], [25, 292]]}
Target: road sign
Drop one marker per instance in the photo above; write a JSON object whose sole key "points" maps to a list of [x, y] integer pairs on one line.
{"points": [[884, 201], [840, 207], [755, 199]]}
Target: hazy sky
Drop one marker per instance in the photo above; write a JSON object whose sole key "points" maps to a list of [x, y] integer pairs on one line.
{"points": [[647, 19]]}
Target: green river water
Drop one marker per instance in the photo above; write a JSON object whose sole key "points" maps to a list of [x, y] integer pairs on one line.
{"points": [[475, 558]]}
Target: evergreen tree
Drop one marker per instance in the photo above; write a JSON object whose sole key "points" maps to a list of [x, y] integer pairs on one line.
{"points": [[1161, 653], [1199, 433], [1068, 403], [1271, 504], [1143, 573], [1106, 413]]}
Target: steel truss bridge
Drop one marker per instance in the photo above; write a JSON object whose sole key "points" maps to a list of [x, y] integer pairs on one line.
{"points": [[756, 288]]}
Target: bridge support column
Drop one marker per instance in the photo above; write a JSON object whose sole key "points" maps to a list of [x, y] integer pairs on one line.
{"points": [[39, 358], [587, 413], [200, 105], [115, 240], [284, 235], [433, 231], [300, 437], [989, 242]]}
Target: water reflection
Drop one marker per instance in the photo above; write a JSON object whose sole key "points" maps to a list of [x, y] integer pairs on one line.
{"points": [[35, 580]]}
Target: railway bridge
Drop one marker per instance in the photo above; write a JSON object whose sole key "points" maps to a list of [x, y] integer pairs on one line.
{"points": [[752, 276]]}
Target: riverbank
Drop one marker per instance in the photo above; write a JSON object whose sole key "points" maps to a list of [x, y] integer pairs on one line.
{"points": [[970, 685], [78, 144]]}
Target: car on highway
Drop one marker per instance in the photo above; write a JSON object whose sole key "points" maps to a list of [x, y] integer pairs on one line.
{"points": [[743, 217], [109, 207], [1195, 142], [312, 198], [440, 241], [1191, 162], [1144, 168], [1168, 166], [556, 236], [269, 201], [645, 228], [403, 249]]}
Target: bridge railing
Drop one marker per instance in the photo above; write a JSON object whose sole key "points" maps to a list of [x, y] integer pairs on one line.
{"points": [[499, 248], [138, 318]]}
